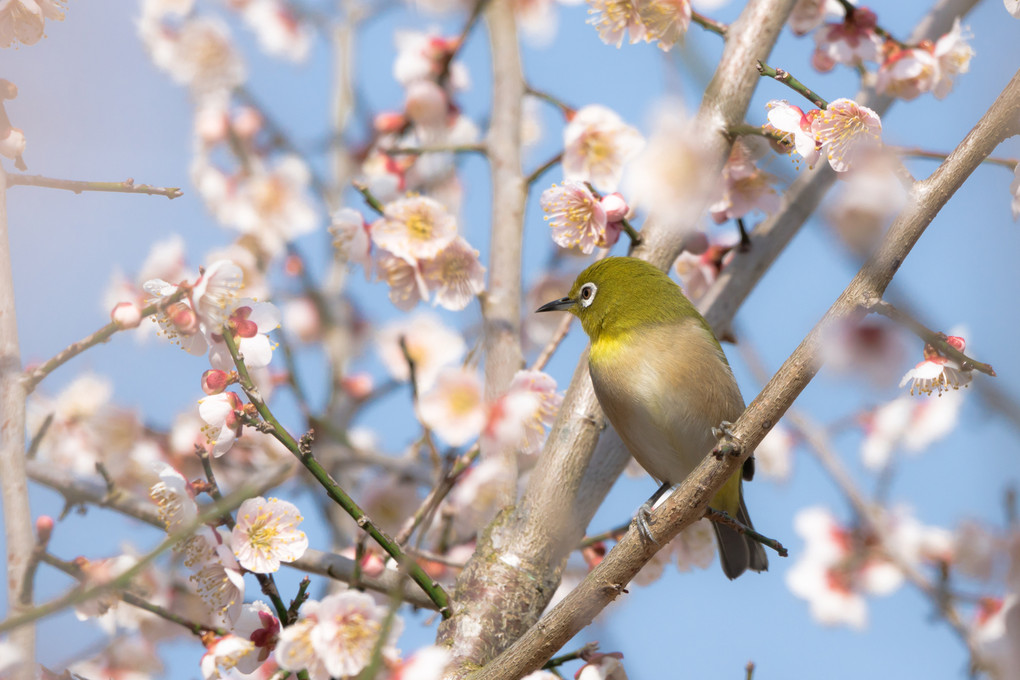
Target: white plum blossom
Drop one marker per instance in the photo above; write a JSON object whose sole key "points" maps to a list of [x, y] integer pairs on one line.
{"points": [[280, 32], [665, 21], [455, 407], [413, 228], [615, 20], [953, 54], [266, 534], [792, 120], [937, 373], [274, 204], [348, 627], [223, 426], [576, 217], [455, 274], [23, 21], [596, 146], [218, 580], [224, 654], [295, 650], [836, 570], [249, 322], [908, 424], [430, 344], [847, 132], [427, 663], [350, 238], [407, 286], [520, 417], [668, 175], [774, 455], [198, 53]]}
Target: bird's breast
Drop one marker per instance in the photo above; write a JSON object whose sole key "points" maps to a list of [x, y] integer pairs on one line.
{"points": [[664, 388]]}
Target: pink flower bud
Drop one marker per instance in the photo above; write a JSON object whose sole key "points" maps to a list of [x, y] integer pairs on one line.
{"points": [[357, 385], [183, 318], [388, 122], [126, 315], [211, 125], [615, 206], [426, 103], [43, 528], [247, 122], [215, 381], [956, 342]]}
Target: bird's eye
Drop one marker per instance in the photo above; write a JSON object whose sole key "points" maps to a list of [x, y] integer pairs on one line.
{"points": [[587, 293]]}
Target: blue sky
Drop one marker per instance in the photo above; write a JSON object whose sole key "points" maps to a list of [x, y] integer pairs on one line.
{"points": [[94, 107]]}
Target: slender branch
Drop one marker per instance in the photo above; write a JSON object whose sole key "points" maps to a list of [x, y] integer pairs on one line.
{"points": [[196, 628], [372, 201], [786, 79], [537, 173], [914, 152], [565, 109], [419, 150], [303, 452], [79, 595], [553, 344], [571, 656], [128, 186], [711, 25], [720, 517], [32, 378], [937, 340], [436, 495], [13, 486]]}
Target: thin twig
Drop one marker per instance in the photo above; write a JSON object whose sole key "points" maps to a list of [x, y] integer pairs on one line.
{"points": [[786, 79], [937, 340], [128, 186], [711, 25], [32, 378]]}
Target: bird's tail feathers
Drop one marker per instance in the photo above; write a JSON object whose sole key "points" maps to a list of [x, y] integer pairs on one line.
{"points": [[739, 552]]}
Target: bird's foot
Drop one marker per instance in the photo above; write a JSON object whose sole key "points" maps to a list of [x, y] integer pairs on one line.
{"points": [[643, 518], [725, 436]]}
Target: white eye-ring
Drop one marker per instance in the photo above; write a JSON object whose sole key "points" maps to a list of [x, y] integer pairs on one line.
{"points": [[587, 293]]}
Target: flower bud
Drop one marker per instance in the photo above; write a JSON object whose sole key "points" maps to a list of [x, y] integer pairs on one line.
{"points": [[43, 529], [215, 381], [126, 315], [388, 122], [615, 206]]}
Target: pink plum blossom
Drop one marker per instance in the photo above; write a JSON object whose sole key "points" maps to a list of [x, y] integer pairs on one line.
{"points": [[847, 132], [790, 119], [455, 274], [455, 407]]}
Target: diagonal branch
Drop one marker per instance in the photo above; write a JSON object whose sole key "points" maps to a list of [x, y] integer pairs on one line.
{"points": [[685, 506]]}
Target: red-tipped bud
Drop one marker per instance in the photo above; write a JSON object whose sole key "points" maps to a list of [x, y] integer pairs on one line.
{"points": [[215, 381], [247, 122], [389, 122], [126, 315], [43, 528], [357, 385], [594, 554], [615, 206], [293, 265], [183, 318], [956, 342]]}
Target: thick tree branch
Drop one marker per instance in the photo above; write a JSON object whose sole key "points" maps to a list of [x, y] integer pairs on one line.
{"points": [[13, 483], [608, 580]]}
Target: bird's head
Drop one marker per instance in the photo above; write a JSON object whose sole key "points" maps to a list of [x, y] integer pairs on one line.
{"points": [[618, 294]]}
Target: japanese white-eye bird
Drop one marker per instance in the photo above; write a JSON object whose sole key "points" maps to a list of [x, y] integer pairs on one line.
{"points": [[663, 381]]}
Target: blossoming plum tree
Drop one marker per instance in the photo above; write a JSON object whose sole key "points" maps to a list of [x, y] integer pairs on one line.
{"points": [[358, 457]]}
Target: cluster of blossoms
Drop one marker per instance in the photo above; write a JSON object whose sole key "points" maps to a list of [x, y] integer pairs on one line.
{"points": [[662, 21], [905, 71], [426, 68], [597, 145], [418, 252], [453, 402], [847, 133], [265, 200], [264, 535]]}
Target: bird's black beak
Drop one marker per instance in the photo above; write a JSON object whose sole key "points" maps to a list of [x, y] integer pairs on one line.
{"points": [[557, 305]]}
